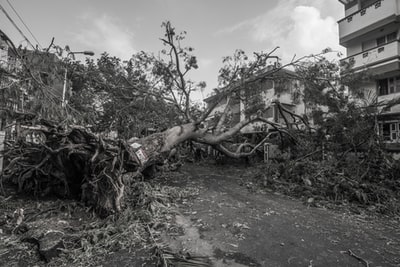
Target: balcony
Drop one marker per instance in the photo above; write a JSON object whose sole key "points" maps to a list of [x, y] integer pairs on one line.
{"points": [[367, 19], [376, 57]]}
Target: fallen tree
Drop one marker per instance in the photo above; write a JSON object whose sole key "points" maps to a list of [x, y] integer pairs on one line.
{"points": [[72, 161]]}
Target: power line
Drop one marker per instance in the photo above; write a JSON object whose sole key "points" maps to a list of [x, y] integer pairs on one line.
{"points": [[15, 11], [15, 25]]}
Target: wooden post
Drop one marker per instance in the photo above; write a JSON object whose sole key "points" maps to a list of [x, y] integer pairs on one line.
{"points": [[266, 152]]}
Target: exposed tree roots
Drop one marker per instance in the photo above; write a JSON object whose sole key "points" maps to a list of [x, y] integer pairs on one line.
{"points": [[71, 163]]}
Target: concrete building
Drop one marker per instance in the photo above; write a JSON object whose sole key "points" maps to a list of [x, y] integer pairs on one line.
{"points": [[260, 93], [370, 33]]}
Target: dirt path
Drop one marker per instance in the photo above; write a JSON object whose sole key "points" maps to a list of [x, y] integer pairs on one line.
{"points": [[237, 227]]}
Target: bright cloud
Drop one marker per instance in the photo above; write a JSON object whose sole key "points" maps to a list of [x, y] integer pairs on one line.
{"points": [[106, 34], [309, 32], [297, 27], [205, 62]]}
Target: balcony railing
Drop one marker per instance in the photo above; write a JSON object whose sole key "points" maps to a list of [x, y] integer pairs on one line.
{"points": [[364, 19], [374, 56]]}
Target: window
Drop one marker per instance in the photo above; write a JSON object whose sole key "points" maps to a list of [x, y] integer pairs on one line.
{"points": [[367, 3], [390, 131], [381, 41], [397, 85], [394, 131], [394, 85], [391, 37], [386, 39], [384, 131], [350, 4], [389, 86], [382, 87]]}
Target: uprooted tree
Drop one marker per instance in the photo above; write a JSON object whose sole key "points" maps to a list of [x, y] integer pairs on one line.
{"points": [[148, 91]]}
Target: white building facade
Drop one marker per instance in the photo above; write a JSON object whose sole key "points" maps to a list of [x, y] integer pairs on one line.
{"points": [[261, 95], [370, 33]]}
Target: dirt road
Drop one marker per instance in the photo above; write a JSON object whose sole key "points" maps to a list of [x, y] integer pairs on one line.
{"points": [[225, 219], [236, 226]]}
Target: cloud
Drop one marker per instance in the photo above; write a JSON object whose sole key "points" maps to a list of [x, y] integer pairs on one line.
{"points": [[297, 27], [310, 33], [205, 62], [105, 34]]}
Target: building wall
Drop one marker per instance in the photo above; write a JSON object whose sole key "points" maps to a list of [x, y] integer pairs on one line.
{"points": [[370, 40], [352, 9], [219, 109], [374, 16], [269, 96], [262, 94], [371, 34]]}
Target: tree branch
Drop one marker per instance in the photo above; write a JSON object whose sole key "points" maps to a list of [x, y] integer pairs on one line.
{"points": [[222, 120]]}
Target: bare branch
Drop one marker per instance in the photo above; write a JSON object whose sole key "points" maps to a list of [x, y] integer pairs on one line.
{"points": [[294, 115], [51, 44], [213, 139]]}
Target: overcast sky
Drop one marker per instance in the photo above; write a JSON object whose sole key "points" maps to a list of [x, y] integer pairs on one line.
{"points": [[215, 27]]}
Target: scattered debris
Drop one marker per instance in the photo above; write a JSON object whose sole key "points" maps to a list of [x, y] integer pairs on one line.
{"points": [[352, 254], [378, 190]]}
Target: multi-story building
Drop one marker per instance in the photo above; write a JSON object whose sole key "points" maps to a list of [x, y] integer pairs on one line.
{"points": [[261, 93], [370, 33]]}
